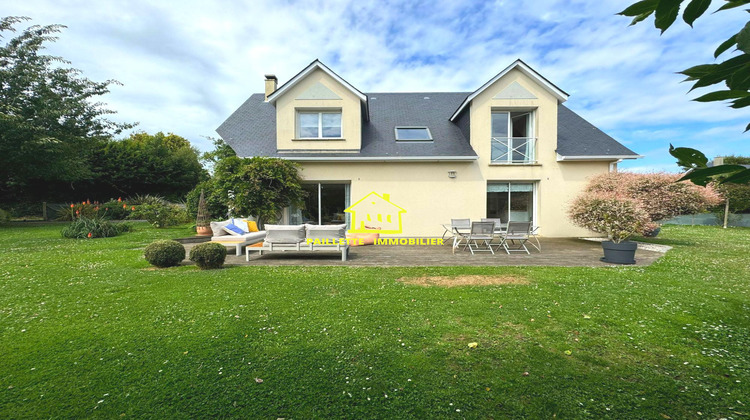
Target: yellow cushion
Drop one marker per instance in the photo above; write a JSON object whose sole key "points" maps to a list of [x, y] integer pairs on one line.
{"points": [[251, 226]]}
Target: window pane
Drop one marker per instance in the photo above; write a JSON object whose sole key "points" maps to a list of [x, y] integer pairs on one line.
{"points": [[332, 204], [412, 134], [308, 120], [520, 149], [500, 150], [309, 214], [497, 205], [520, 124], [331, 125], [308, 124], [306, 132], [521, 203], [499, 124], [331, 120]]}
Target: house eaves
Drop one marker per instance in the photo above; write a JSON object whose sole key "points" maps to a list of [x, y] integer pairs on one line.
{"points": [[381, 158], [524, 68], [561, 158]]}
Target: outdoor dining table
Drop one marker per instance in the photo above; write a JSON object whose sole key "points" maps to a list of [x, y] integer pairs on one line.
{"points": [[462, 233]]}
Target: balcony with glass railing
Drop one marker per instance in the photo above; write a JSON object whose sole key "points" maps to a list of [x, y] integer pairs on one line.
{"points": [[513, 150]]}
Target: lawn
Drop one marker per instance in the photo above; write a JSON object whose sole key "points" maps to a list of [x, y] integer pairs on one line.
{"points": [[87, 329]]}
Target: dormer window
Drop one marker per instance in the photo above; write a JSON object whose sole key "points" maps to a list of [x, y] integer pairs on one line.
{"points": [[413, 134], [319, 124], [512, 137]]}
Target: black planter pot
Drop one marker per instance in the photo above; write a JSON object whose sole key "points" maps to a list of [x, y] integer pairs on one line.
{"points": [[653, 233], [622, 253]]}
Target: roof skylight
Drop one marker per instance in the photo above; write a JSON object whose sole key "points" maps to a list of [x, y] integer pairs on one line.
{"points": [[413, 134]]}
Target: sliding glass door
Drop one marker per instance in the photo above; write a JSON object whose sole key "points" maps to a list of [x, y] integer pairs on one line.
{"points": [[324, 205], [511, 201]]}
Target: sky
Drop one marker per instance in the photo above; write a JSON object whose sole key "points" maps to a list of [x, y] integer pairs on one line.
{"points": [[185, 66]]}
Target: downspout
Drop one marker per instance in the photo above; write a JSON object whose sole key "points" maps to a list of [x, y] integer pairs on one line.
{"points": [[613, 165]]}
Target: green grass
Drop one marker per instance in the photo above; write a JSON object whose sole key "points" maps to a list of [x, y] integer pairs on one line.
{"points": [[88, 330]]}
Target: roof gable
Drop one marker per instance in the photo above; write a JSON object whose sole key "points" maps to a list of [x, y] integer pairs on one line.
{"points": [[525, 69], [315, 65]]}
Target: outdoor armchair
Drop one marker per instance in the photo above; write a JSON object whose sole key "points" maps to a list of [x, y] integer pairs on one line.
{"points": [[458, 230], [480, 237], [516, 236]]}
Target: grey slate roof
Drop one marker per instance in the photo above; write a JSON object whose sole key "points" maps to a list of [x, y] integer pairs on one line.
{"points": [[578, 137], [251, 129]]}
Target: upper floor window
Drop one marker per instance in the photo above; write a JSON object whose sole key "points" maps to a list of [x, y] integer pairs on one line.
{"points": [[318, 124], [512, 137], [413, 134]]}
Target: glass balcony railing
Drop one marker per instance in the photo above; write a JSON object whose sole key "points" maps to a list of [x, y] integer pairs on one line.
{"points": [[510, 150]]}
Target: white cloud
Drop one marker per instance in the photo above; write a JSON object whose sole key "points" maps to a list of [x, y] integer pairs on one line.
{"points": [[187, 65]]}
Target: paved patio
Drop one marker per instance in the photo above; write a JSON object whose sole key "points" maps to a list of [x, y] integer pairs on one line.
{"points": [[557, 252]]}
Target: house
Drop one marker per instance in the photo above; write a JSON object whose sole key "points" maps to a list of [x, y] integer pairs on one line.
{"points": [[376, 213], [510, 149]]}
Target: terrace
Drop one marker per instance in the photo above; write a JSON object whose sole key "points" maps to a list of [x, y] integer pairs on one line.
{"points": [[556, 252]]}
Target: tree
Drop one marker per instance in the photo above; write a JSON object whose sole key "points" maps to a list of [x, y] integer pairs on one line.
{"points": [[259, 186], [158, 164], [50, 121], [733, 72], [221, 151], [216, 201]]}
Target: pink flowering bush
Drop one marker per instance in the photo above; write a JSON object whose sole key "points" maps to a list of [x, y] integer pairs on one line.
{"points": [[658, 194], [608, 213]]}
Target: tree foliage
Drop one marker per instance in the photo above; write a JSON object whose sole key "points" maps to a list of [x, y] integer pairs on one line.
{"points": [[221, 151], [737, 160], [216, 200], [157, 164], [658, 194], [616, 216], [50, 120], [259, 186], [733, 72]]}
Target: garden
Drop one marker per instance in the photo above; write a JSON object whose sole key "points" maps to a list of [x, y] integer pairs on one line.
{"points": [[90, 328]]}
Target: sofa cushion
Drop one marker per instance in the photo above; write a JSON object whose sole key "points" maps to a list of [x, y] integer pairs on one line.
{"points": [[218, 228], [248, 237], [251, 225], [285, 234], [233, 229], [326, 232]]}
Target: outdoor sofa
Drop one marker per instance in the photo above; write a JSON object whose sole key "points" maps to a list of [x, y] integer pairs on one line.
{"points": [[303, 238], [229, 237]]}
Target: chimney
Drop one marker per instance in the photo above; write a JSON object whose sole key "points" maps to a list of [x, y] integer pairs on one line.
{"points": [[271, 82], [718, 160]]}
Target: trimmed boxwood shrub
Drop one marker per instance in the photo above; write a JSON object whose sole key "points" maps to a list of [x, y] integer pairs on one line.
{"points": [[208, 255], [164, 253]]}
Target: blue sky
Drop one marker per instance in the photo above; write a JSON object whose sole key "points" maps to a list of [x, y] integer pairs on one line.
{"points": [[185, 66]]}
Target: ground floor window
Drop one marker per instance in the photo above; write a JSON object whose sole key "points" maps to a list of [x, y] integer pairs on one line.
{"points": [[324, 205], [511, 201]]}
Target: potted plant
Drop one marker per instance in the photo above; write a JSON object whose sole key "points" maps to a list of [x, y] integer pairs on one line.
{"points": [[203, 221], [615, 216]]}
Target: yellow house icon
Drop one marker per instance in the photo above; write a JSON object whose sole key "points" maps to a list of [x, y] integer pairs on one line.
{"points": [[375, 211]]}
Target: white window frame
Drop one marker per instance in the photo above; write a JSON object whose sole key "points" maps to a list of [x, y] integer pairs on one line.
{"points": [[531, 136], [429, 134], [320, 123], [534, 197]]}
